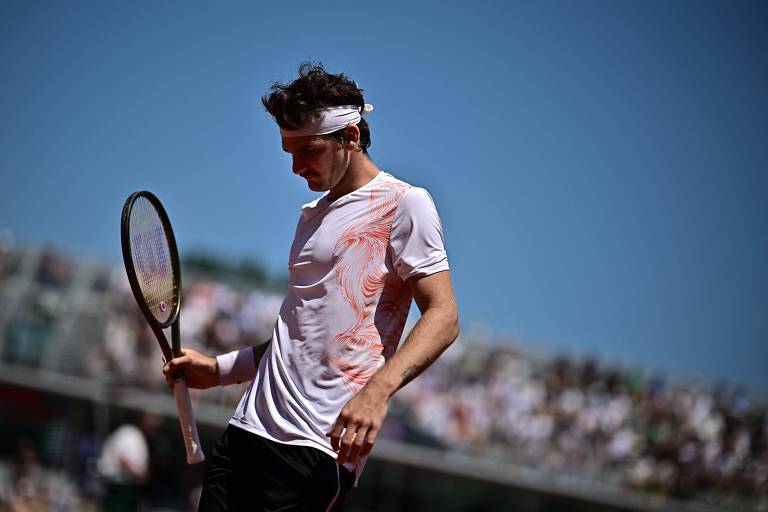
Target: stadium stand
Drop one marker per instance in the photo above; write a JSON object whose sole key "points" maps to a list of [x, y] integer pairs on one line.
{"points": [[497, 414]]}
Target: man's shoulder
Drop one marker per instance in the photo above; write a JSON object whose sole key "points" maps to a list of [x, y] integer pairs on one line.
{"points": [[385, 177], [395, 186], [408, 197], [388, 180]]}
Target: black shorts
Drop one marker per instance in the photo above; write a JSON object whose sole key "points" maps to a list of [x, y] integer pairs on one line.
{"points": [[247, 472]]}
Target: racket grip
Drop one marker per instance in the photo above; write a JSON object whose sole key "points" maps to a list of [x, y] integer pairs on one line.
{"points": [[187, 421]]}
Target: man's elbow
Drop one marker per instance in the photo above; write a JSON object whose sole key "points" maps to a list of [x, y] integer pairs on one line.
{"points": [[453, 324]]}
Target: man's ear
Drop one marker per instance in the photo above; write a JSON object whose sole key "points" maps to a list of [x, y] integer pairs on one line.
{"points": [[351, 137]]}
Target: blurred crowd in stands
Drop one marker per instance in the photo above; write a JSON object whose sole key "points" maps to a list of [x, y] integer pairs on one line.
{"points": [[215, 318], [26, 486], [557, 415]]}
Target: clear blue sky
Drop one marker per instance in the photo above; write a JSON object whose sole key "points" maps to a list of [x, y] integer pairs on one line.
{"points": [[601, 167]]}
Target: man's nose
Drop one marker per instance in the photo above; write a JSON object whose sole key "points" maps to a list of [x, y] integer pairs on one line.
{"points": [[298, 167]]}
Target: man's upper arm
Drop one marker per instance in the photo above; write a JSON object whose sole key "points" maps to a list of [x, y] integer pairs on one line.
{"points": [[416, 237], [419, 256], [433, 291]]}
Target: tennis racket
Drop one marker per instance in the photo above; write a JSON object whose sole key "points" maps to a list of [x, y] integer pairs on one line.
{"points": [[152, 264]]}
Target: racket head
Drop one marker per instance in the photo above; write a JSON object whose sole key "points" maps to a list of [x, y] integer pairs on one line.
{"points": [[151, 258]]}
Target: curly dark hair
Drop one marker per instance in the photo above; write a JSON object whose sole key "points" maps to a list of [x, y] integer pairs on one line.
{"points": [[295, 104]]}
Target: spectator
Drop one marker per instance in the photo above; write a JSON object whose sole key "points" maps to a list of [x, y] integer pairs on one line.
{"points": [[124, 464]]}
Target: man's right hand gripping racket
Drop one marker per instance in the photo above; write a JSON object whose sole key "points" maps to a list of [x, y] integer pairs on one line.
{"points": [[152, 263]]}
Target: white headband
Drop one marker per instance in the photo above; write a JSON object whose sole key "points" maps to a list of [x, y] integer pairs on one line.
{"points": [[329, 120]]}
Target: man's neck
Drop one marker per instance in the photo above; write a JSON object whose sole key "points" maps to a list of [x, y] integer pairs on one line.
{"points": [[360, 172]]}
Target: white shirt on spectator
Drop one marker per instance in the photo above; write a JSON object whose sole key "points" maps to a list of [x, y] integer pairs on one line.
{"points": [[126, 446]]}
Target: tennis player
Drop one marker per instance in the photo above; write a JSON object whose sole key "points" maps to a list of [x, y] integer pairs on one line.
{"points": [[319, 389]]}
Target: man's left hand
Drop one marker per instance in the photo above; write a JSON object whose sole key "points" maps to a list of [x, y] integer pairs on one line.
{"points": [[356, 428]]}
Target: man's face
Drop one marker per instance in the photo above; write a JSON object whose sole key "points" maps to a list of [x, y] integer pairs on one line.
{"points": [[319, 160]]}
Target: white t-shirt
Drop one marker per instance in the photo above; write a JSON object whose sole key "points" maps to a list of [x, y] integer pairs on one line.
{"points": [[125, 445], [345, 309]]}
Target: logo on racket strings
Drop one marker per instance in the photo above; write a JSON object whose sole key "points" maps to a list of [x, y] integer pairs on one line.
{"points": [[149, 254]]}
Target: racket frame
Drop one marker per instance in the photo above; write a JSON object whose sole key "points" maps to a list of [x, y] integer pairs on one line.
{"points": [[169, 352]]}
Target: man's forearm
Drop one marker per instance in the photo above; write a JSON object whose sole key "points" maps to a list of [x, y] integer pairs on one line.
{"points": [[433, 333], [355, 429]]}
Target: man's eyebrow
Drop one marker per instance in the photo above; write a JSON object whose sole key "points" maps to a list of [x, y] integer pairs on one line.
{"points": [[299, 149]]}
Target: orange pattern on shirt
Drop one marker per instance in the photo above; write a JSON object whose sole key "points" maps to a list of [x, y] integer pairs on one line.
{"points": [[373, 294]]}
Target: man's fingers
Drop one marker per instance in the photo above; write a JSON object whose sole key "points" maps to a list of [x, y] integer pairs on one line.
{"points": [[346, 443], [370, 438], [174, 369], [335, 434], [168, 380], [358, 443], [176, 363]]}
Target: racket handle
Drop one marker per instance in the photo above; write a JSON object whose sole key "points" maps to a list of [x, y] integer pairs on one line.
{"points": [[187, 420]]}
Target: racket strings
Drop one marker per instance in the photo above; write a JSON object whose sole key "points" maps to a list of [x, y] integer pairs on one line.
{"points": [[150, 251]]}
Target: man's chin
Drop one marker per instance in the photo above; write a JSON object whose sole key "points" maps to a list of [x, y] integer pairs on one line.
{"points": [[316, 186]]}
